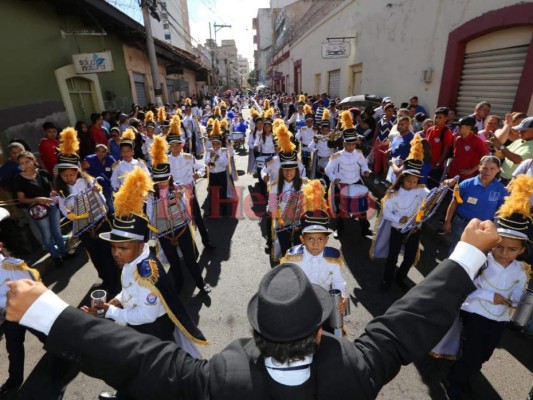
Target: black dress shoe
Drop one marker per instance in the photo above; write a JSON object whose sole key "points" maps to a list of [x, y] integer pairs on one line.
{"points": [[206, 288], [107, 395], [208, 244], [9, 387]]}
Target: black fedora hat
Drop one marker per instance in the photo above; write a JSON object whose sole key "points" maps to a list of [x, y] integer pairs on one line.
{"points": [[288, 306]]}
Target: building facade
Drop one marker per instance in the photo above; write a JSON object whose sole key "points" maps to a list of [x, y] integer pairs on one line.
{"points": [[448, 52], [66, 62]]}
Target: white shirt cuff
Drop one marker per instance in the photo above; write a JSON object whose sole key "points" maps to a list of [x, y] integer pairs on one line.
{"points": [[469, 257], [43, 312]]}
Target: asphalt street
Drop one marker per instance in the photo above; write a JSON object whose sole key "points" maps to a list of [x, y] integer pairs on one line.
{"points": [[234, 270]]}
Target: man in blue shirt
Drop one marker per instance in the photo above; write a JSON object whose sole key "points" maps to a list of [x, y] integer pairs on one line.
{"points": [[10, 168], [99, 165], [401, 144], [477, 197]]}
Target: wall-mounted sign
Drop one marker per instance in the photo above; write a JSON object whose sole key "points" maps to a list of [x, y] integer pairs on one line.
{"points": [[336, 49], [90, 63]]}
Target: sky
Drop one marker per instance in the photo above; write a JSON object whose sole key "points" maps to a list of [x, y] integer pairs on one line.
{"points": [[237, 13]]}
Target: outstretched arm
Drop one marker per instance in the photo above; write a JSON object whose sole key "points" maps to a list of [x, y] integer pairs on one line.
{"points": [[415, 323], [140, 365]]}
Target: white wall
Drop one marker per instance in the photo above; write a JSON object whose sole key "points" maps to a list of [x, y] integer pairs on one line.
{"points": [[394, 44]]}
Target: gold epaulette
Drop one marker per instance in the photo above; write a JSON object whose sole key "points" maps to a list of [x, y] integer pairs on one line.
{"points": [[421, 186], [16, 264], [335, 155], [291, 258], [115, 164], [187, 156], [141, 160]]}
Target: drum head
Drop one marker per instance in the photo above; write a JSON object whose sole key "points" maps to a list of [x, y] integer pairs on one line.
{"points": [[354, 190], [236, 136]]}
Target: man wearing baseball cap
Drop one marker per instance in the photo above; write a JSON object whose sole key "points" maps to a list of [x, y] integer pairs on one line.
{"points": [[289, 357], [519, 150]]}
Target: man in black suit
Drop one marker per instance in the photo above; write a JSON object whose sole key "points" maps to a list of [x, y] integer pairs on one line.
{"points": [[289, 358]]}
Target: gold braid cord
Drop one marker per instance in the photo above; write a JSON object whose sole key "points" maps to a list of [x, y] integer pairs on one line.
{"points": [[149, 283], [23, 267]]}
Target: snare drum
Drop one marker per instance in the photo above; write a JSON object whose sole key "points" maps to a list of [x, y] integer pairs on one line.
{"points": [[321, 165], [261, 161], [236, 136], [354, 199]]}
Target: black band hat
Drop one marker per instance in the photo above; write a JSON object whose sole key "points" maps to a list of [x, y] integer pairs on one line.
{"points": [[287, 306]]}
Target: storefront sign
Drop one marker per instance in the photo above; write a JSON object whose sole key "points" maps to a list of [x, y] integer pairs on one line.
{"points": [[90, 63], [336, 50]]}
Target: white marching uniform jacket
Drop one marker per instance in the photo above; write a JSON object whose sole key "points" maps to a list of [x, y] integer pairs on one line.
{"points": [[121, 168], [346, 166], [139, 305], [510, 282], [183, 166], [306, 135], [267, 147], [323, 270], [403, 203], [322, 148]]}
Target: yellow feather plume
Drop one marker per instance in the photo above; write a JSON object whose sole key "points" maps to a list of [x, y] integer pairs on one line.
{"points": [[130, 197], [267, 114], [224, 124], [314, 196], [284, 139], [149, 117], [266, 105], [347, 120], [301, 98], [217, 111], [210, 121], [521, 189], [216, 128], [308, 109], [254, 113], [159, 150], [175, 124], [69, 141], [417, 148], [161, 114], [223, 104], [178, 112], [276, 124], [128, 134], [326, 115], [188, 102]]}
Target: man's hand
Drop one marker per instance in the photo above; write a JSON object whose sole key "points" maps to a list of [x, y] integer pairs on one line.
{"points": [[94, 311], [481, 234], [21, 295], [499, 299], [343, 305]]}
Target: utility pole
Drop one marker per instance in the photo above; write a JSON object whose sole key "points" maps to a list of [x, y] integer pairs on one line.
{"points": [[145, 4], [213, 56]]}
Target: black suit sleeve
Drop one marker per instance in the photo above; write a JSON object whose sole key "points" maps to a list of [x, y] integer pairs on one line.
{"points": [[411, 327], [141, 366]]}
